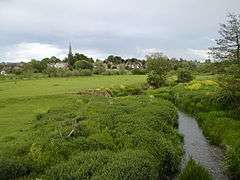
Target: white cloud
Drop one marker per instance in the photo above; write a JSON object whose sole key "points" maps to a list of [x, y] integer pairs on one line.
{"points": [[198, 53], [27, 51], [112, 27]]}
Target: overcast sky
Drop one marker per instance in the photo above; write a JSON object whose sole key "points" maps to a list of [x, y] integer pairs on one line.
{"points": [[129, 28]]}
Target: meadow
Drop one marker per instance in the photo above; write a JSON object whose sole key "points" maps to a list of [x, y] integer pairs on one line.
{"points": [[107, 121], [22, 100], [73, 136]]}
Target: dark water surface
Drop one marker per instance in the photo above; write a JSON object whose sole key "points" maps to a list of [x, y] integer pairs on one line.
{"points": [[197, 147]]}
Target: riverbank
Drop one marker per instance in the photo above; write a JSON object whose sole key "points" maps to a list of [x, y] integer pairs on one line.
{"points": [[221, 126]]}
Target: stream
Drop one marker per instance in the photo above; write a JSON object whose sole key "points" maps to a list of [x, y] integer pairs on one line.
{"points": [[197, 147]]}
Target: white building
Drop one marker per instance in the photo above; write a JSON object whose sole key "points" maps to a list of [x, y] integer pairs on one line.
{"points": [[59, 65], [3, 73]]}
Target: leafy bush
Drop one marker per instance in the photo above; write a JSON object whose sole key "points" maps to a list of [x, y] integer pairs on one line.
{"points": [[229, 95], [127, 90], [130, 165], [155, 80], [130, 137], [83, 64], [184, 76], [13, 168], [194, 171]]}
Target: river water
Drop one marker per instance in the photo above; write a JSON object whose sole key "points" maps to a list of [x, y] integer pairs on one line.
{"points": [[197, 147]]}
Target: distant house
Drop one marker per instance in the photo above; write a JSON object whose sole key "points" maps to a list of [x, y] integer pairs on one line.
{"points": [[60, 65], [134, 65], [9, 67]]}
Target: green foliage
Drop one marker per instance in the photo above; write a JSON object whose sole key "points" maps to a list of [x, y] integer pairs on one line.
{"points": [[213, 106], [99, 67], [158, 63], [114, 60], [229, 95], [82, 57], [194, 171], [138, 71], [157, 67], [184, 76], [11, 168], [85, 72], [126, 90], [83, 64], [228, 45], [111, 72], [233, 161], [125, 138], [155, 80], [38, 66]]}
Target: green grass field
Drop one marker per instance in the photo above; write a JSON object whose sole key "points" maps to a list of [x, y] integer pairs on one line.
{"points": [[22, 100], [51, 131]]}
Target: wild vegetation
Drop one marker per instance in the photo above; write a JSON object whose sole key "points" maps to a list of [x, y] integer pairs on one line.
{"points": [[193, 169], [118, 127], [99, 138]]}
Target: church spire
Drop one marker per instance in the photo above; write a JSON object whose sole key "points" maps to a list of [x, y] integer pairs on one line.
{"points": [[70, 56], [70, 48]]}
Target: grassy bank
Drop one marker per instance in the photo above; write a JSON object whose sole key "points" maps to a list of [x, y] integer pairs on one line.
{"points": [[112, 138], [220, 125]]}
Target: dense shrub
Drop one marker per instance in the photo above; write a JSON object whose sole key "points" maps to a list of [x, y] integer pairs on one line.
{"points": [[83, 64], [127, 90], [130, 165], [184, 76], [130, 137], [233, 160], [13, 168], [155, 80], [229, 95]]}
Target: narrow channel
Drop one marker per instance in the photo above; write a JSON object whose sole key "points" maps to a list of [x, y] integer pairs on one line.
{"points": [[197, 147]]}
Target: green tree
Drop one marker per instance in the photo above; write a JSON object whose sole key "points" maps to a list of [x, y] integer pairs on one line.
{"points": [[155, 80], [99, 67], [38, 66], [159, 63], [83, 65], [228, 45], [157, 67], [114, 60], [82, 57]]}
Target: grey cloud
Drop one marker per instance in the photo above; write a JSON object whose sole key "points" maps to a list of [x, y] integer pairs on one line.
{"points": [[115, 27]]}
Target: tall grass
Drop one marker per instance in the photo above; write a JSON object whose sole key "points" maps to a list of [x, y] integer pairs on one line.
{"points": [[194, 171]]}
